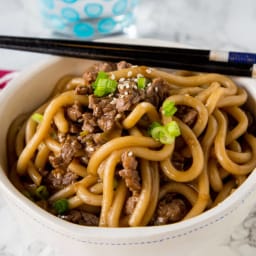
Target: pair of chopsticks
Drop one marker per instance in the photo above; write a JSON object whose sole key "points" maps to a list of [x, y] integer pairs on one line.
{"points": [[229, 63]]}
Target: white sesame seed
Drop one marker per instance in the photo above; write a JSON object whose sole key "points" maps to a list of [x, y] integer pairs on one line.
{"points": [[149, 84], [149, 70], [121, 86], [139, 75], [121, 79], [118, 116], [113, 77], [129, 73], [135, 80], [90, 149], [156, 89], [125, 93], [130, 153], [112, 102], [134, 66]]}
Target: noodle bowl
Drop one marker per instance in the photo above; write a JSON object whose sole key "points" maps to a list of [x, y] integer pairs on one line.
{"points": [[90, 154], [226, 203]]}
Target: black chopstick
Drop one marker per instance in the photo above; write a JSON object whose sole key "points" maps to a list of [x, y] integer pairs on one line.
{"points": [[169, 57]]}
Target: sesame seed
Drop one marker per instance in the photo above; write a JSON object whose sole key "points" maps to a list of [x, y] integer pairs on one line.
{"points": [[90, 149], [149, 84], [125, 93], [156, 89], [113, 77], [121, 79], [58, 176], [118, 116], [121, 86], [135, 80], [130, 153], [129, 73], [149, 70], [112, 102], [134, 66], [139, 75]]}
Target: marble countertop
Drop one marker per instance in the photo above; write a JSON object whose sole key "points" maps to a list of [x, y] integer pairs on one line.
{"points": [[223, 25]]}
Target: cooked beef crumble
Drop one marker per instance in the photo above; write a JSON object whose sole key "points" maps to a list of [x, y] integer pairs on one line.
{"points": [[170, 209]]}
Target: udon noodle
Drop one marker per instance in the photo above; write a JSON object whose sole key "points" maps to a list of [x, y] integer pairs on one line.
{"points": [[89, 154]]}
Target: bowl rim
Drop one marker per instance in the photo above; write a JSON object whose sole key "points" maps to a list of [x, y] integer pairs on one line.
{"points": [[90, 234]]}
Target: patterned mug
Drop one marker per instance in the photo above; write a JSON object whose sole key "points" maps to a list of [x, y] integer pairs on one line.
{"points": [[88, 19]]}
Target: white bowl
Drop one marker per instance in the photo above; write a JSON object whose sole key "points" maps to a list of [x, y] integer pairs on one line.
{"points": [[191, 237]]}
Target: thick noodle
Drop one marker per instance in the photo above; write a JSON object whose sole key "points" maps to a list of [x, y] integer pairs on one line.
{"points": [[123, 177]]}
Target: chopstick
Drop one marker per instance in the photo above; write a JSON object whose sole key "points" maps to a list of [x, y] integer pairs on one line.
{"points": [[230, 63]]}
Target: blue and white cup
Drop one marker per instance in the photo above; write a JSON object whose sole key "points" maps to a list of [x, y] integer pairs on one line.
{"points": [[88, 19]]}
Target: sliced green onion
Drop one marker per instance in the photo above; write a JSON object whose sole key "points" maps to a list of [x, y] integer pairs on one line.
{"points": [[173, 129], [153, 125], [84, 133], [42, 192], [168, 108], [37, 117], [104, 87], [142, 81], [165, 134], [61, 206], [101, 74]]}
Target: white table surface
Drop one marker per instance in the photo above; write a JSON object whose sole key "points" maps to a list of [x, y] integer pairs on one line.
{"points": [[223, 25]]}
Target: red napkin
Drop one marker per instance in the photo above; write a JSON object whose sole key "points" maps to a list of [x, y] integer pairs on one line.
{"points": [[5, 77]]}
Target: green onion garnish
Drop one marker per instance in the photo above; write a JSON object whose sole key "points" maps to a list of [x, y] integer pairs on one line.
{"points": [[42, 192], [61, 206], [142, 81], [103, 85], [166, 134], [168, 108], [173, 129], [37, 117], [84, 133], [100, 75]]}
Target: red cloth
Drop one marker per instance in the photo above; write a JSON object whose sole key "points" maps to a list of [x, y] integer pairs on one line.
{"points": [[2, 74]]}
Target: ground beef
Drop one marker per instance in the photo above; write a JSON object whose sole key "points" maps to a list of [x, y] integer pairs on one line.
{"points": [[104, 111], [123, 64], [56, 161], [131, 204], [75, 111], [69, 149], [131, 178], [129, 161], [105, 66], [169, 210], [187, 114], [157, 91], [130, 173], [128, 96], [81, 217], [58, 179], [90, 76], [89, 122], [107, 121], [83, 90], [74, 128]]}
